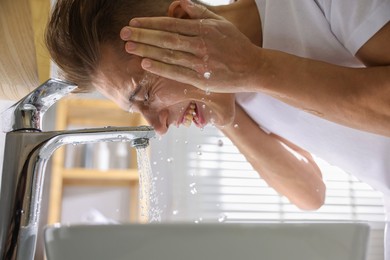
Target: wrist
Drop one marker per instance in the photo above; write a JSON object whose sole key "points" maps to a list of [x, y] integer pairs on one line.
{"points": [[257, 72]]}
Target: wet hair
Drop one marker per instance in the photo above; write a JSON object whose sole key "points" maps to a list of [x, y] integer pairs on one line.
{"points": [[78, 28]]}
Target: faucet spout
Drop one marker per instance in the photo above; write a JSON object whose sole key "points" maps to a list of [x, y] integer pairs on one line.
{"points": [[29, 111]]}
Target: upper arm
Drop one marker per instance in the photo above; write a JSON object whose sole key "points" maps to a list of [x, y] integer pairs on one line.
{"points": [[376, 51]]}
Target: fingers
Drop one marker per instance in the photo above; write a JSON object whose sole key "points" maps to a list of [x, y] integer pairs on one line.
{"points": [[187, 60], [188, 27], [196, 11], [169, 24], [163, 40], [180, 74]]}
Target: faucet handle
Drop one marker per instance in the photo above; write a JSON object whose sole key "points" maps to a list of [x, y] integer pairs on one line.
{"points": [[28, 112]]}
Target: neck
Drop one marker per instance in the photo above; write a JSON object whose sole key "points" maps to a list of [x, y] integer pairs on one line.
{"points": [[245, 16]]}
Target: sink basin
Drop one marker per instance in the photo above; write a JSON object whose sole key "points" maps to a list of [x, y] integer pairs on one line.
{"points": [[187, 241]]}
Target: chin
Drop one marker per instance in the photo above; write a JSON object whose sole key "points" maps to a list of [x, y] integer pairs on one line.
{"points": [[226, 119], [225, 122]]}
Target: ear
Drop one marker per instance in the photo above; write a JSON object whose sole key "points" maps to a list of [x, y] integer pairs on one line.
{"points": [[175, 10]]}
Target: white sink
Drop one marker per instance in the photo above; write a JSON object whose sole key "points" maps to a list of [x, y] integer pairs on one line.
{"points": [[268, 241]]}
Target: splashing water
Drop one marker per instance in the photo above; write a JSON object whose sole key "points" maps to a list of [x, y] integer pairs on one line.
{"points": [[222, 218], [147, 188]]}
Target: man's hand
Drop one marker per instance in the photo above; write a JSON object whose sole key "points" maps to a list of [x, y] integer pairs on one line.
{"points": [[206, 51]]}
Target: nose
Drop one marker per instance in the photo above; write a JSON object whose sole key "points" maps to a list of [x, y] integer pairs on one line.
{"points": [[158, 120]]}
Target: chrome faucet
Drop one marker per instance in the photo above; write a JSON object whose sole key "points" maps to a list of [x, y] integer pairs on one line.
{"points": [[27, 151]]}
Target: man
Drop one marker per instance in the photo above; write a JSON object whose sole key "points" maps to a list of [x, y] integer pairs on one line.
{"points": [[218, 55], [83, 38], [316, 42]]}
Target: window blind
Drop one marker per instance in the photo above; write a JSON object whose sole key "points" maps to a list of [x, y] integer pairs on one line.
{"points": [[210, 181]]}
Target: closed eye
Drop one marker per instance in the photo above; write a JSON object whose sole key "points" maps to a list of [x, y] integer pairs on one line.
{"points": [[134, 93], [146, 98]]}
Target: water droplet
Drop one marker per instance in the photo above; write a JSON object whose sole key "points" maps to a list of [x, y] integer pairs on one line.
{"points": [[175, 212], [196, 221], [193, 191], [220, 143], [208, 92], [198, 146], [185, 91], [203, 106], [199, 153], [222, 218], [169, 160], [192, 184], [154, 163], [207, 75], [185, 142], [236, 126]]}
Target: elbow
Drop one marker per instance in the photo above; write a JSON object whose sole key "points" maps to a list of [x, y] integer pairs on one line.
{"points": [[313, 200], [312, 205]]}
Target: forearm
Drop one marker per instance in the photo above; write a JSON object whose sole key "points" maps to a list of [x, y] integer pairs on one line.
{"points": [[355, 97], [286, 169]]}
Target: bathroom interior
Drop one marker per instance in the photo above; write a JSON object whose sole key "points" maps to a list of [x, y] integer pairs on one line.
{"points": [[198, 177]]}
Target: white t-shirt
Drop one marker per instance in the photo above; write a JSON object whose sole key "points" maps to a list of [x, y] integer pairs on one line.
{"points": [[331, 31]]}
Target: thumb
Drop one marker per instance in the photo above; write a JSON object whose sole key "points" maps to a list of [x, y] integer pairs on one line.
{"points": [[197, 11]]}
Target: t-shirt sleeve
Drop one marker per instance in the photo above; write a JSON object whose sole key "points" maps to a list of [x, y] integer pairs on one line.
{"points": [[354, 22]]}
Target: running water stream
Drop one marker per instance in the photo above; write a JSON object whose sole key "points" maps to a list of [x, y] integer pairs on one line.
{"points": [[148, 197]]}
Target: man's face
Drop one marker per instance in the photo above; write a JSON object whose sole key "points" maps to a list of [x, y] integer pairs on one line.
{"points": [[161, 101]]}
